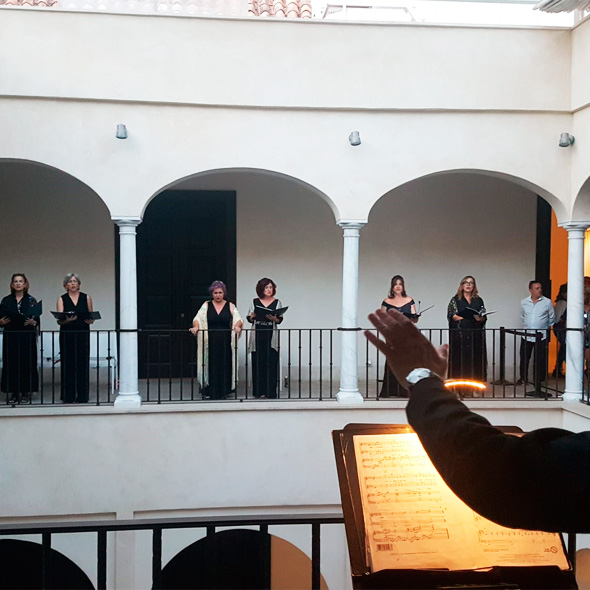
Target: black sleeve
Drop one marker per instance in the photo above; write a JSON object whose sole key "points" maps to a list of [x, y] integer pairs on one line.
{"points": [[540, 481]]}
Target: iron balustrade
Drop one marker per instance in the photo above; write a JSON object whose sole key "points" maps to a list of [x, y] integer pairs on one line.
{"points": [[157, 526], [308, 366], [102, 527]]}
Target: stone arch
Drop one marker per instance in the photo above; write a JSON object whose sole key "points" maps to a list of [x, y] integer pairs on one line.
{"points": [[581, 208], [556, 204], [229, 172]]}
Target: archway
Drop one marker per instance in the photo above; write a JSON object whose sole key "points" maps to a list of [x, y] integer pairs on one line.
{"points": [[239, 558], [283, 228], [436, 229], [20, 568]]}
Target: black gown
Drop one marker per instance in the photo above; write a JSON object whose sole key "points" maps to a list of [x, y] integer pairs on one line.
{"points": [[391, 386], [220, 352], [467, 340], [74, 346], [265, 359], [19, 347]]}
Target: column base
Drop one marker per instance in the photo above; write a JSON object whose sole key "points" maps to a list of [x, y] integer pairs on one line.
{"points": [[128, 401], [572, 396], [350, 396]]}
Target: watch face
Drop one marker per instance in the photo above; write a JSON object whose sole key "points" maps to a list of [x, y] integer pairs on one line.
{"points": [[417, 375]]}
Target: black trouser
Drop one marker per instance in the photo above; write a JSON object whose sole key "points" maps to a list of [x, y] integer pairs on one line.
{"points": [[539, 361]]}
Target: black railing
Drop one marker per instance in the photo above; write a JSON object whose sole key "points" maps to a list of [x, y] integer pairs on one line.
{"points": [[46, 570], [304, 365]]}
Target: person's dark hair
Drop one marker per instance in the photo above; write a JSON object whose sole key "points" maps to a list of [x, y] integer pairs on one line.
{"points": [[561, 295], [262, 283], [533, 282], [394, 280], [218, 285], [474, 293], [19, 274]]}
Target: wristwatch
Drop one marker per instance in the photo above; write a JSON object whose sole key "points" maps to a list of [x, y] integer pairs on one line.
{"points": [[417, 375]]}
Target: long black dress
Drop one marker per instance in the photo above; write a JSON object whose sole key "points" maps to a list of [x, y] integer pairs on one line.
{"points": [[74, 346], [467, 353], [220, 352], [391, 386], [19, 347], [265, 359]]}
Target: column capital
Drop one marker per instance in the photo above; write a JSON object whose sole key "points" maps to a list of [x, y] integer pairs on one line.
{"points": [[127, 221], [575, 225], [355, 224]]}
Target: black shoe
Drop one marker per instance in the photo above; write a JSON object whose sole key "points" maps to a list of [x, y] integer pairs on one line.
{"points": [[13, 400], [520, 382], [26, 399]]}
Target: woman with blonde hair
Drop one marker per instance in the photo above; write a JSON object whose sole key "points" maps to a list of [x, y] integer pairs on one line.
{"points": [[467, 354]]}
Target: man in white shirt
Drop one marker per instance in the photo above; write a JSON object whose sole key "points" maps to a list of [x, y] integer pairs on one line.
{"points": [[537, 316]]}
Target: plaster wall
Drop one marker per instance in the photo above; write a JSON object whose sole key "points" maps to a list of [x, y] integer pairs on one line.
{"points": [[167, 144], [172, 461], [170, 59], [580, 51]]}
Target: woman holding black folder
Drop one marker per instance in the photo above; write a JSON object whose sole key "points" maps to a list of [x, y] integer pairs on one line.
{"points": [[264, 343], [20, 377], [467, 353], [399, 300], [74, 341]]}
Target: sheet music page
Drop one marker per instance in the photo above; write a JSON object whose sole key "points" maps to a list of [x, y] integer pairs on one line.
{"points": [[413, 519]]}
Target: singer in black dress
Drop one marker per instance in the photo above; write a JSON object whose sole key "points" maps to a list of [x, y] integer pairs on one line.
{"points": [[467, 353], [74, 341], [398, 299], [217, 325], [264, 343], [20, 377]]}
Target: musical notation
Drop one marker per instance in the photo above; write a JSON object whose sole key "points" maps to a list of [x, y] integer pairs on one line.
{"points": [[413, 520]]}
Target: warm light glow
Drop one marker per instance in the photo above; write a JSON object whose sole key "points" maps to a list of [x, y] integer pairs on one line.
{"points": [[464, 383]]}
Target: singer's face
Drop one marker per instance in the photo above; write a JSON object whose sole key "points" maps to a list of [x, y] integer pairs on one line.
{"points": [[268, 290], [398, 288], [217, 295]]}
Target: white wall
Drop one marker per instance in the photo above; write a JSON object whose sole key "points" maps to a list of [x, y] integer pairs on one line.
{"points": [[312, 64], [52, 224], [171, 461]]}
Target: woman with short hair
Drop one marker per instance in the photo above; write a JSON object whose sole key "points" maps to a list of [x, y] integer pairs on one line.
{"points": [[264, 342], [217, 326], [74, 341]]}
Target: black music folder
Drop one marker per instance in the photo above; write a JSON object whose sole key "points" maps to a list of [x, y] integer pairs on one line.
{"points": [[406, 529], [261, 312], [82, 315]]}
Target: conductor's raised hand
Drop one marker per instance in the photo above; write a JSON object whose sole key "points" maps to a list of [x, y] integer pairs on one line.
{"points": [[405, 347]]}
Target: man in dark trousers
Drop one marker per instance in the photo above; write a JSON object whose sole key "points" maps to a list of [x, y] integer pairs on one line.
{"points": [[540, 481]]}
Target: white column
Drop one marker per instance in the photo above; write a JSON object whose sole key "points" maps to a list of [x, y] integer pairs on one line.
{"points": [[349, 383], [574, 361], [128, 376]]}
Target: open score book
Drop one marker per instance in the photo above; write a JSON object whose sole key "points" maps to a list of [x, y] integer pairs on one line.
{"points": [[413, 520]]}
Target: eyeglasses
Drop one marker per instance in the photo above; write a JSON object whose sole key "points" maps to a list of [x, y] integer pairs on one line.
{"points": [[468, 283]]}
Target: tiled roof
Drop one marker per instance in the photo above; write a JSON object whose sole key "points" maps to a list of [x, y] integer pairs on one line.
{"points": [[280, 8]]}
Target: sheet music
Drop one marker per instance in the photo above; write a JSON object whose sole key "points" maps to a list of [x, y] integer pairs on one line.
{"points": [[413, 519]]}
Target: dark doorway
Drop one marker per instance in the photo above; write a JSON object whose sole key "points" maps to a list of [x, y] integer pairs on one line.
{"points": [[187, 240]]}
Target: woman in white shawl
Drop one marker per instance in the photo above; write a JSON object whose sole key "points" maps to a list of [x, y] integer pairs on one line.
{"points": [[217, 326]]}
